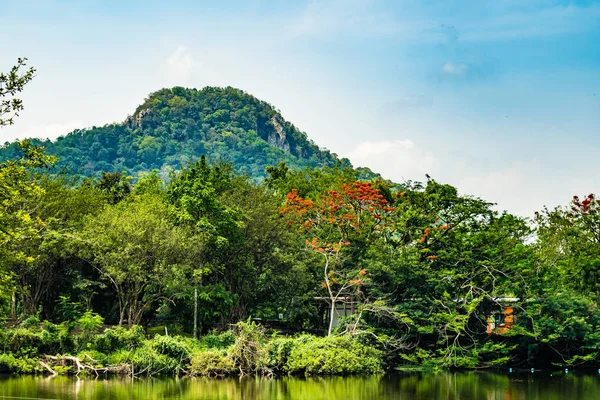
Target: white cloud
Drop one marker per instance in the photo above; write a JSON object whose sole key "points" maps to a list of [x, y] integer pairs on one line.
{"points": [[179, 65], [514, 187], [521, 187], [398, 160], [455, 69]]}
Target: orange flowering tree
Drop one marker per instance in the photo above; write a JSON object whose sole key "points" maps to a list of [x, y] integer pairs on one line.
{"points": [[357, 211]]}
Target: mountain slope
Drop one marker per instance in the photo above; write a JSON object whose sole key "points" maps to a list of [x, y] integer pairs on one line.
{"points": [[174, 126]]}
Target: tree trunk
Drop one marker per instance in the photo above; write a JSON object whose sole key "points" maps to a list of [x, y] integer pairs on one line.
{"points": [[333, 300], [29, 304], [13, 306], [196, 311], [122, 308]]}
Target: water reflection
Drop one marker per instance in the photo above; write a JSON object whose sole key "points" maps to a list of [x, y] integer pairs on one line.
{"points": [[446, 386]]}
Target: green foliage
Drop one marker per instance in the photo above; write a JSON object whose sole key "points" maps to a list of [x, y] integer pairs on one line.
{"points": [[172, 346], [177, 125], [279, 351], [12, 83], [68, 310], [118, 338], [31, 321], [115, 186], [89, 325], [422, 267], [18, 222], [18, 364], [97, 358], [139, 252], [249, 351], [89, 322], [146, 360], [45, 338], [212, 363], [567, 325], [218, 341], [333, 355]]}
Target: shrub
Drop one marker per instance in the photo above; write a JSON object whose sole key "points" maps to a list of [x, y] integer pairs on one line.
{"points": [[336, 355], [30, 322], [212, 363], [249, 352], [279, 351], [146, 360], [47, 338], [68, 310], [120, 338], [172, 346], [19, 339], [89, 324], [18, 364], [97, 358], [218, 340]]}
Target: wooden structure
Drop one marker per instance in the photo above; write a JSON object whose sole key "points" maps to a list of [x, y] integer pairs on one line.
{"points": [[344, 307], [503, 320]]}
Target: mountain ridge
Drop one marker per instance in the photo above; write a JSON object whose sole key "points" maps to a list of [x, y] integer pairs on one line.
{"points": [[174, 126]]}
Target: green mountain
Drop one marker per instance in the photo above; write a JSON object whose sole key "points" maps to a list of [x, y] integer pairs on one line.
{"points": [[175, 126]]}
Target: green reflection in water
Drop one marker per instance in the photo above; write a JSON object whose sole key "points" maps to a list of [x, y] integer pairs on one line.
{"points": [[446, 386]]}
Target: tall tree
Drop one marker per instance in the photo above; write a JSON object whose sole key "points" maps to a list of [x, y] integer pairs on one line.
{"points": [[139, 252], [196, 192], [357, 211], [19, 195]]}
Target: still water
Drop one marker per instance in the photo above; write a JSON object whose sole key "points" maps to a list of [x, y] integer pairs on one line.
{"points": [[446, 386]]}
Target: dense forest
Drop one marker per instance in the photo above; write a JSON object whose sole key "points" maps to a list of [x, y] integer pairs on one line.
{"points": [[175, 126], [204, 268]]}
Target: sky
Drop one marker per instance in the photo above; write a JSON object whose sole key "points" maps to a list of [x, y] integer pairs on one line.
{"points": [[500, 98]]}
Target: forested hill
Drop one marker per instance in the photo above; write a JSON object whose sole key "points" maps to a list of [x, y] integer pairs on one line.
{"points": [[174, 126]]}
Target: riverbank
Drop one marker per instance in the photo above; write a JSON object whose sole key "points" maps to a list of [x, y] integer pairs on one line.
{"points": [[245, 350]]}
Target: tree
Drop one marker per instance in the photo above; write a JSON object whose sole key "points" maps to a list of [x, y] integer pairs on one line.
{"points": [[19, 195], [264, 264], [449, 257], [139, 252], [48, 265], [569, 243], [357, 211], [195, 192], [115, 186], [12, 83]]}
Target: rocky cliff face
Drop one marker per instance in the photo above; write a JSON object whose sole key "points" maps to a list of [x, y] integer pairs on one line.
{"points": [[279, 137]]}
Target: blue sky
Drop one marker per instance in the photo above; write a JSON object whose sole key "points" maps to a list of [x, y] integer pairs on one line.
{"points": [[500, 98]]}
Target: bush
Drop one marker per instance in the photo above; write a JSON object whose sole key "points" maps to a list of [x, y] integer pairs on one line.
{"points": [[249, 352], [146, 360], [336, 355], [89, 324], [47, 338], [21, 338], [120, 338], [30, 322], [279, 351], [218, 340], [212, 363], [23, 364], [172, 346], [97, 358]]}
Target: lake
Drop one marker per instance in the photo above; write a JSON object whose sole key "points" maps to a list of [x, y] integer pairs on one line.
{"points": [[447, 386]]}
